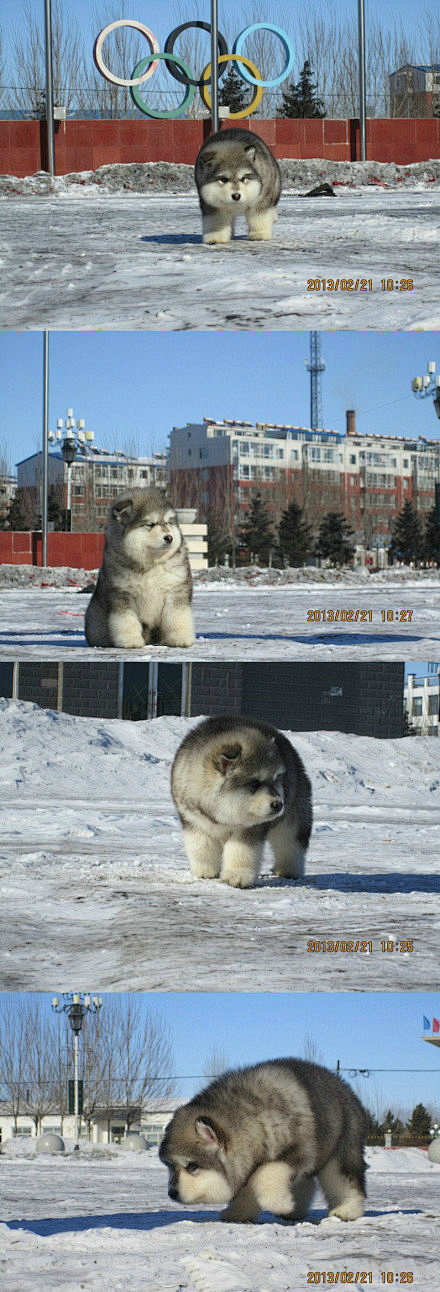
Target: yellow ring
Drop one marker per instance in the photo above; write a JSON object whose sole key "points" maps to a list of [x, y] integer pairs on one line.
{"points": [[230, 58]]}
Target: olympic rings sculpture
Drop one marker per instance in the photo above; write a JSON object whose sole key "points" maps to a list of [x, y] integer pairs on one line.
{"points": [[179, 70]]}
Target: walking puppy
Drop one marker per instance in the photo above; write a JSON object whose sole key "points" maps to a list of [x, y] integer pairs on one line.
{"points": [[257, 1137], [236, 782], [144, 587], [236, 174]]}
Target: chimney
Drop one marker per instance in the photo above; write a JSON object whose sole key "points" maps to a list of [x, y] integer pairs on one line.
{"points": [[351, 421]]}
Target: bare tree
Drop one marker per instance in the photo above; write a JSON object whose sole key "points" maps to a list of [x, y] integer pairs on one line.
{"points": [[29, 59], [216, 1063], [310, 1050], [13, 1055]]}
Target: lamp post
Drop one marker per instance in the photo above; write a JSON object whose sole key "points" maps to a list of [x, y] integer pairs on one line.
{"points": [[422, 387], [76, 1006], [214, 65], [362, 81], [428, 385], [49, 87], [75, 439]]}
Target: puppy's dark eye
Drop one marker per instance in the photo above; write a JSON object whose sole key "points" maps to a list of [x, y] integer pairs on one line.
{"points": [[254, 786], [192, 1167], [222, 179]]}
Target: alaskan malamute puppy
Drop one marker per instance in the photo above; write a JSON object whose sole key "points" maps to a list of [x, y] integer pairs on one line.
{"points": [[236, 173], [236, 781], [144, 587], [256, 1138]]}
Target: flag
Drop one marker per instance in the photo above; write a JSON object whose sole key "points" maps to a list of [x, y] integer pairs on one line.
{"points": [[435, 1025], [426, 1024]]}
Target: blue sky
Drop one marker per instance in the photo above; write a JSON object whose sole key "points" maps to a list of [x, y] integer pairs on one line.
{"points": [[161, 16], [133, 387], [363, 1030]]}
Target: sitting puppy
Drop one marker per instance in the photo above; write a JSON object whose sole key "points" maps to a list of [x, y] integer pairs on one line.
{"points": [[236, 173], [144, 587], [236, 781], [256, 1138]]}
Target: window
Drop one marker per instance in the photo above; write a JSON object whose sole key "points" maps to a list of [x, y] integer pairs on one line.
{"points": [[245, 471], [244, 446], [352, 459]]}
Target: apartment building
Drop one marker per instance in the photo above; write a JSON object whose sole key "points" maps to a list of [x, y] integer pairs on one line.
{"points": [[220, 464], [422, 703], [97, 476]]}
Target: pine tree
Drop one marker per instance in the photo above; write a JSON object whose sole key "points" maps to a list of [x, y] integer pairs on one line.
{"points": [[432, 536], [301, 100], [407, 535], [333, 542], [16, 518], [294, 536], [420, 1122], [232, 91], [255, 534]]}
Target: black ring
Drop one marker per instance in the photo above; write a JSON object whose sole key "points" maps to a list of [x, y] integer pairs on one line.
{"points": [[169, 49]]}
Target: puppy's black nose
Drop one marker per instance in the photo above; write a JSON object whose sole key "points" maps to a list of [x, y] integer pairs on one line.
{"points": [[276, 804], [172, 1193], [236, 197], [168, 538]]}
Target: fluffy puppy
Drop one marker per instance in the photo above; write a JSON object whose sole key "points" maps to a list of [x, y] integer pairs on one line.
{"points": [[144, 588]]}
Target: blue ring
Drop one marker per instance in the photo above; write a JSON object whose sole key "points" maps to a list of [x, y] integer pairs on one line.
{"points": [[288, 49], [171, 113]]}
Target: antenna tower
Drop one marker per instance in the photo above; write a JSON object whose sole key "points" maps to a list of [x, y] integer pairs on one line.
{"points": [[315, 368]]}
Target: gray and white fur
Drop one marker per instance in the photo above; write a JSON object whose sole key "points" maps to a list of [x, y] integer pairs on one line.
{"points": [[235, 174], [257, 1139], [236, 782], [144, 588]]}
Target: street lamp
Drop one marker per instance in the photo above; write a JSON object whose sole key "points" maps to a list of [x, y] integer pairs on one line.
{"points": [[428, 385], [75, 439], [76, 1006]]}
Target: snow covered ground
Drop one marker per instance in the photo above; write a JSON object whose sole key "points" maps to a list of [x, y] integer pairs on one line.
{"points": [[250, 619], [94, 873], [118, 249], [103, 1220]]}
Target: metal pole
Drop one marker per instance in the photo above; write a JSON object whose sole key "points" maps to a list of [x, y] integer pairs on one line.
{"points": [[75, 1084], [49, 87], [362, 91], [214, 65], [44, 445]]}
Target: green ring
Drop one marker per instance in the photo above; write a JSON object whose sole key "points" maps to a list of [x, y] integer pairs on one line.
{"points": [[172, 112]]}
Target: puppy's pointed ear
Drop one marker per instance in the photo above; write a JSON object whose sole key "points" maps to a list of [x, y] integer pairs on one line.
{"points": [[206, 158], [208, 1132], [251, 151], [122, 510], [226, 758]]}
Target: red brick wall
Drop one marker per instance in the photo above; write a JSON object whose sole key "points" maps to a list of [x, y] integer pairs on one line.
{"points": [[77, 550], [85, 145]]}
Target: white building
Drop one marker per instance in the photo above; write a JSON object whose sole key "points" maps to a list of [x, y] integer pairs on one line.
{"points": [[97, 476], [422, 703], [104, 1130], [220, 464]]}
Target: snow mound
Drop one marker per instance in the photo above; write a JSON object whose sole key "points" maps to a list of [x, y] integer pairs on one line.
{"points": [[171, 177]]}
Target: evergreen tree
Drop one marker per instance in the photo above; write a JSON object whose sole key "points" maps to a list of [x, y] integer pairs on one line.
{"points": [[301, 100], [432, 536], [232, 91], [55, 506], [407, 542], [16, 518], [256, 534], [219, 540], [419, 1123], [391, 1123], [294, 536], [333, 542]]}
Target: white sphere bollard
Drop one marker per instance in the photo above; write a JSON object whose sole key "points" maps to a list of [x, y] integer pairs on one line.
{"points": [[434, 1150], [134, 1142], [50, 1143]]}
